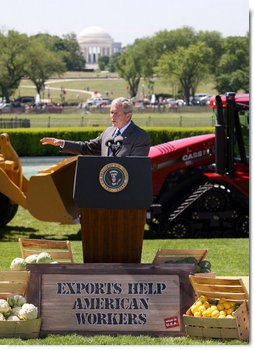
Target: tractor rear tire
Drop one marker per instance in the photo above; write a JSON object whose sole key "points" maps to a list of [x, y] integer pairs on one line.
{"points": [[7, 210]]}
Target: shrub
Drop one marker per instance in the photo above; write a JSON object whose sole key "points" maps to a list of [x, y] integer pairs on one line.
{"points": [[27, 142]]}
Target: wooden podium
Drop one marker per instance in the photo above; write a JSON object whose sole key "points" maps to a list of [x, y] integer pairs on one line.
{"points": [[113, 195]]}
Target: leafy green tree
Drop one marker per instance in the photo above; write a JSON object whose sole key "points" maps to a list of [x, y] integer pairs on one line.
{"points": [[233, 68], [42, 63], [113, 61], [67, 46], [214, 41], [13, 57], [103, 62], [185, 66], [134, 63], [73, 56], [168, 41]]}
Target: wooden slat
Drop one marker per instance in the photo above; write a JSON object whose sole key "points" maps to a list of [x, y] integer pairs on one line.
{"points": [[232, 289], [14, 276], [214, 281], [213, 288], [164, 255], [13, 282], [43, 243], [20, 329], [59, 250]]}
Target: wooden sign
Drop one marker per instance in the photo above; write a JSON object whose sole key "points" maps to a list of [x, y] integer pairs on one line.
{"points": [[111, 298]]}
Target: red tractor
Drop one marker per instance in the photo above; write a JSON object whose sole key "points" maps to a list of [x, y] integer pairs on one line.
{"points": [[201, 184]]}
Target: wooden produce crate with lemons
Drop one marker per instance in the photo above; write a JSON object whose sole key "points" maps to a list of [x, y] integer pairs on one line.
{"points": [[220, 310], [18, 318]]}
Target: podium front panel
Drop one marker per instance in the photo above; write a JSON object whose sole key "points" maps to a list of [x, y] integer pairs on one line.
{"points": [[113, 182]]}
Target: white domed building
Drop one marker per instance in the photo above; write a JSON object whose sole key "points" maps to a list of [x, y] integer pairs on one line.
{"points": [[95, 42]]}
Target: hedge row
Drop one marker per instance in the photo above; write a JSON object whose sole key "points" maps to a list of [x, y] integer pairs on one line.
{"points": [[26, 142]]}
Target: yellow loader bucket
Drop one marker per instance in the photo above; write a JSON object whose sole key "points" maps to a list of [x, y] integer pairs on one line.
{"points": [[50, 193], [47, 195]]}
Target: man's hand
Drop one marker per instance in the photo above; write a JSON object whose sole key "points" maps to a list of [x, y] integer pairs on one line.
{"points": [[52, 141]]}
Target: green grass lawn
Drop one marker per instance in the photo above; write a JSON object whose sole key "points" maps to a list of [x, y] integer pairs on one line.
{"points": [[86, 83], [228, 256], [79, 118]]}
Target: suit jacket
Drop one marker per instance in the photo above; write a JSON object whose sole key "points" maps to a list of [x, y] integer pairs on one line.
{"points": [[136, 142]]}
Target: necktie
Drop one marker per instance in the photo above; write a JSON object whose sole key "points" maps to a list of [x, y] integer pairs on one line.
{"points": [[117, 133]]}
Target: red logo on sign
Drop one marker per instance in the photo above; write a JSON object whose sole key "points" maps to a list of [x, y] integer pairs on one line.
{"points": [[171, 322]]}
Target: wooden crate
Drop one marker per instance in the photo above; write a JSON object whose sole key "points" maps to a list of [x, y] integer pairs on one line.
{"points": [[59, 250], [13, 282], [16, 283], [225, 328], [172, 255], [20, 329], [164, 256]]}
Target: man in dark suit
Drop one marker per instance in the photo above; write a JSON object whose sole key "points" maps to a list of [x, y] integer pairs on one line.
{"points": [[135, 141]]}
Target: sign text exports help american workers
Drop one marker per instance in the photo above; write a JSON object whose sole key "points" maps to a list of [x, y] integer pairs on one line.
{"points": [[99, 303]]}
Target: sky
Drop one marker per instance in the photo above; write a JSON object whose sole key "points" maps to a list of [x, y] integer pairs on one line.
{"points": [[124, 20]]}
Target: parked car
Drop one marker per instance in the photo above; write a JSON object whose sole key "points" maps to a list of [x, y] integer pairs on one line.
{"points": [[97, 102], [199, 99], [11, 107], [25, 100], [45, 108]]}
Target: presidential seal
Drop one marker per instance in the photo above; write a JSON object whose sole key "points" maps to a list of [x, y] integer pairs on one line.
{"points": [[113, 177]]}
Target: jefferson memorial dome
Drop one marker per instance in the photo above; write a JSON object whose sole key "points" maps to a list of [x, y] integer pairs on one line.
{"points": [[95, 42]]}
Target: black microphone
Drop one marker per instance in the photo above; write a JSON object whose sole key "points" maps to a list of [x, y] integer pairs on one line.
{"points": [[118, 141], [109, 142]]}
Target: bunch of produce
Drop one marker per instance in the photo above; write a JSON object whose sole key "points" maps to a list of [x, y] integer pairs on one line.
{"points": [[19, 264], [17, 309], [203, 266], [204, 307]]}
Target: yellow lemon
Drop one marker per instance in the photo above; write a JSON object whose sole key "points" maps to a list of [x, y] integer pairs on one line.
{"points": [[222, 312], [206, 304], [222, 316], [222, 300], [220, 307], [214, 307], [226, 305], [198, 303], [230, 311], [193, 308], [197, 314], [201, 308], [206, 313], [202, 298], [215, 313], [229, 316], [209, 310]]}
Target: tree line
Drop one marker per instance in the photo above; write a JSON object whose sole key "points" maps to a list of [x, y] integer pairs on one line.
{"points": [[183, 58], [36, 57]]}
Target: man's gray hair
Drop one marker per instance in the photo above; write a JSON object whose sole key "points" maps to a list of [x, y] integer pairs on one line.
{"points": [[125, 103]]}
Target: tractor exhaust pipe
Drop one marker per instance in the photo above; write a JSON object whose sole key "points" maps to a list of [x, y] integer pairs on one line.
{"points": [[220, 142]]}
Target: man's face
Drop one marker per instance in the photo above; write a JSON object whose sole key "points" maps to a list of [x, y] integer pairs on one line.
{"points": [[118, 118]]}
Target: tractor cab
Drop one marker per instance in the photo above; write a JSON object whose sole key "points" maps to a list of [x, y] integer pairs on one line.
{"points": [[232, 138]]}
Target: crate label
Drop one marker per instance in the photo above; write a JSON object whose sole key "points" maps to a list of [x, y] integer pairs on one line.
{"points": [[171, 322]]}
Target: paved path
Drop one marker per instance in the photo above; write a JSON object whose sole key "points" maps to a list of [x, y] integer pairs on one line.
{"points": [[59, 89]]}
